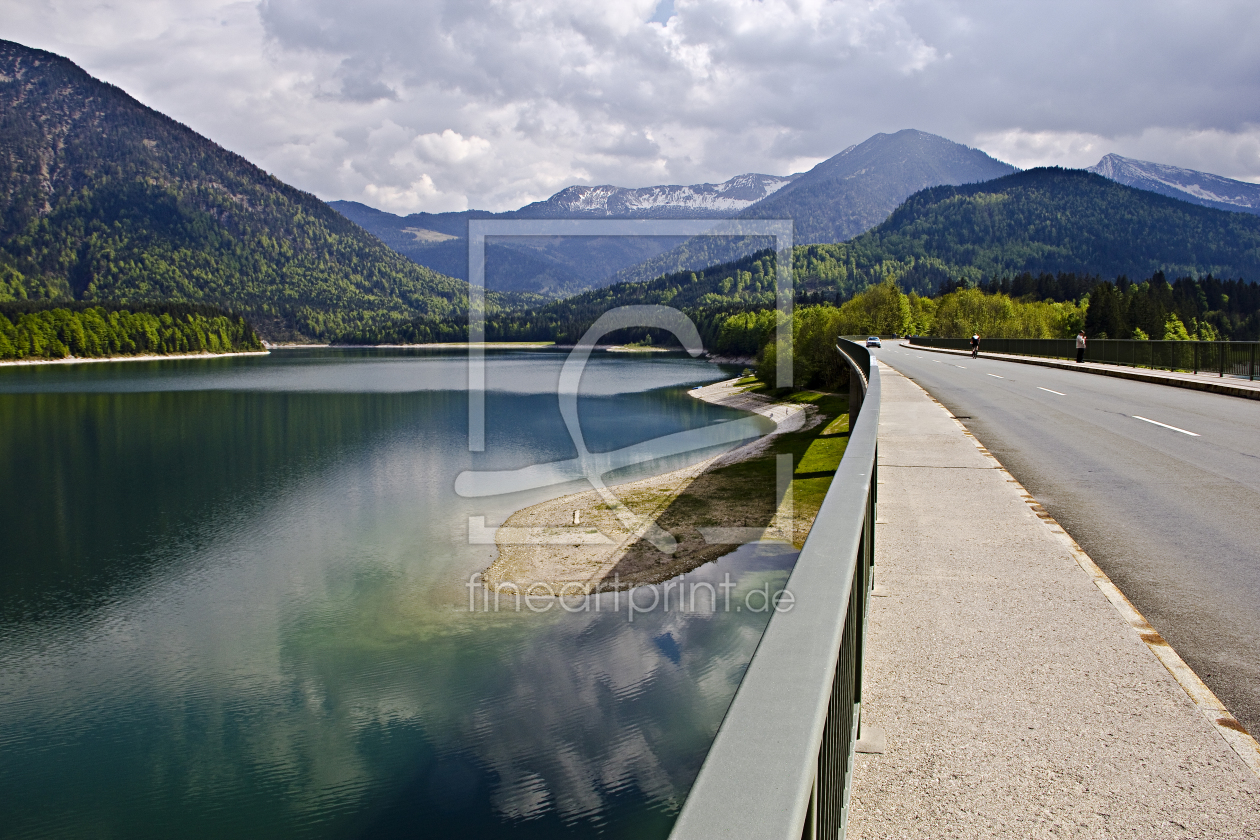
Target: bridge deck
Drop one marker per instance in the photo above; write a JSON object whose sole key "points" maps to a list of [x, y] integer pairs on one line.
{"points": [[1016, 699]]}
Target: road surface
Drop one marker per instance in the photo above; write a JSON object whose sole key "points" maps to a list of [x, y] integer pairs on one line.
{"points": [[1160, 485]]}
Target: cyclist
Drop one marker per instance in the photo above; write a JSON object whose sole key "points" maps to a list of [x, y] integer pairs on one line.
{"points": [[975, 345]]}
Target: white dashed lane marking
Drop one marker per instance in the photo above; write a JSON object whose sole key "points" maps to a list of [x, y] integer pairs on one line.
{"points": [[1060, 393], [1166, 426]]}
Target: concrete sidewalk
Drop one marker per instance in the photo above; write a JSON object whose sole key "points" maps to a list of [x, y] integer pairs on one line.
{"points": [[1016, 699], [1230, 385]]}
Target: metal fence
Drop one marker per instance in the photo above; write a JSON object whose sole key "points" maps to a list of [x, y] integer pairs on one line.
{"points": [[782, 761], [1225, 358]]}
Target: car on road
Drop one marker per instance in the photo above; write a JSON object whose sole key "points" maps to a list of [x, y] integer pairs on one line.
{"points": [[873, 341]]}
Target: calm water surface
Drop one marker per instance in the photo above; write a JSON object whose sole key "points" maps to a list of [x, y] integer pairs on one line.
{"points": [[234, 602]]}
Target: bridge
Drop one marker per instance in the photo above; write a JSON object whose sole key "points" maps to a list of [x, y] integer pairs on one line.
{"points": [[960, 660]]}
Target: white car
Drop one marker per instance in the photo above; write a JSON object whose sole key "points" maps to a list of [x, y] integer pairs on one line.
{"points": [[873, 341]]}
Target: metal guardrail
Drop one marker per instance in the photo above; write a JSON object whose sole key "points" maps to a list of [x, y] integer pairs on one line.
{"points": [[782, 761], [1225, 358]]}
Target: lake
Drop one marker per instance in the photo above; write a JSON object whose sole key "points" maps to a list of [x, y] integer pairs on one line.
{"points": [[237, 599]]}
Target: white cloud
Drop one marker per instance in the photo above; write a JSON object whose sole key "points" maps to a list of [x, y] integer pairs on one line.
{"points": [[1044, 148], [494, 103]]}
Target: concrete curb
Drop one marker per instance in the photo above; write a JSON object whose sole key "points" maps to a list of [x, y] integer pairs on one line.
{"points": [[1223, 387], [1208, 704]]}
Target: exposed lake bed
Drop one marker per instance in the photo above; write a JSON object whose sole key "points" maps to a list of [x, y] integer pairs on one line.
{"points": [[539, 547]]}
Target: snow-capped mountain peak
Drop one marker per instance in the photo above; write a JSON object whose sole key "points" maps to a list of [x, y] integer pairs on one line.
{"points": [[670, 201], [1186, 184]]}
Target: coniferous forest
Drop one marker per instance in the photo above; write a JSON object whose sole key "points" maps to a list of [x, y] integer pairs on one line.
{"points": [[36, 330], [103, 199]]}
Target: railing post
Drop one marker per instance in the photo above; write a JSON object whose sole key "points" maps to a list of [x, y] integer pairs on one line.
{"points": [[1196, 357], [1222, 345], [1252, 375]]}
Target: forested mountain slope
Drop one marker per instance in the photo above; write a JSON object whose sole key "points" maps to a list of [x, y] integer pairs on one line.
{"points": [[1060, 220], [102, 198]]}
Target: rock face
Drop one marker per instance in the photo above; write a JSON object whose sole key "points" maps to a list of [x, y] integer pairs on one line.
{"points": [[1186, 184]]}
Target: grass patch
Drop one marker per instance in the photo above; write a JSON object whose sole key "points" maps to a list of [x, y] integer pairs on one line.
{"points": [[743, 494]]}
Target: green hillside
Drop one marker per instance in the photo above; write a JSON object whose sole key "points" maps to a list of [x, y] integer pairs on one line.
{"points": [[104, 199], [709, 297], [1059, 220]]}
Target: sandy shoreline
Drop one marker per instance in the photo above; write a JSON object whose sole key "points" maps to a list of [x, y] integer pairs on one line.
{"points": [[75, 360], [542, 546]]}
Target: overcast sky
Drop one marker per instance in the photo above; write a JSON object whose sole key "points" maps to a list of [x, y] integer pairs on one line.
{"points": [[411, 105]]}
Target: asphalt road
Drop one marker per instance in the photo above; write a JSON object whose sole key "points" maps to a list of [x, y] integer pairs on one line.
{"points": [[1172, 517]]}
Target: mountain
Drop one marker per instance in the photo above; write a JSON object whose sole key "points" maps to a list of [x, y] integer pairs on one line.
{"points": [[839, 198], [1055, 220], [550, 266], [850, 193], [556, 266], [1185, 184], [104, 199], [698, 201]]}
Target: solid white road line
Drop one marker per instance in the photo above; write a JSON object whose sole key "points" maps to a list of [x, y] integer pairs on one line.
{"points": [[1166, 426], [1060, 393], [995, 376]]}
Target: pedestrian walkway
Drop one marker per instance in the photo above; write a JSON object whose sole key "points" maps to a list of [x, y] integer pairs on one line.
{"points": [[1234, 386], [1015, 699]]}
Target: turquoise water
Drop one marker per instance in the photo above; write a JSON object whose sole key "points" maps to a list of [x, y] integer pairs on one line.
{"points": [[234, 601]]}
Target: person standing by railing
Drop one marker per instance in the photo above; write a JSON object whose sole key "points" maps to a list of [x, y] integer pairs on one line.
{"points": [[1080, 347]]}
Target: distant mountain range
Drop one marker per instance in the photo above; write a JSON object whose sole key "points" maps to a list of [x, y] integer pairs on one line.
{"points": [[1066, 222], [839, 199], [102, 198], [836, 200], [558, 267], [1185, 184]]}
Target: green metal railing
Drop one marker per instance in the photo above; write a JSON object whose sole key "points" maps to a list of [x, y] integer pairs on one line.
{"points": [[1224, 358], [781, 764]]}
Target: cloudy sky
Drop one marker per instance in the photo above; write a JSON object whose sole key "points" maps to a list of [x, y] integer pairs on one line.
{"points": [[433, 105]]}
